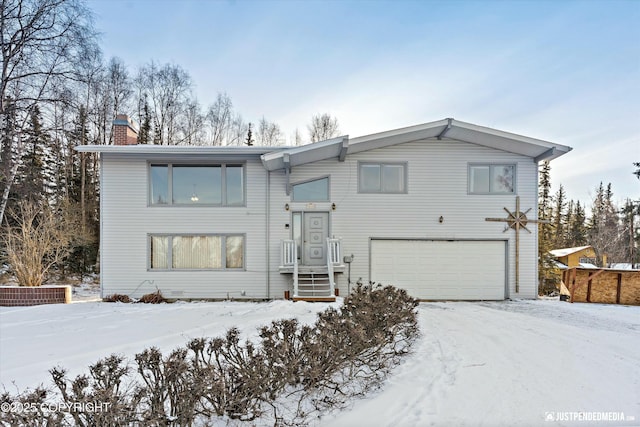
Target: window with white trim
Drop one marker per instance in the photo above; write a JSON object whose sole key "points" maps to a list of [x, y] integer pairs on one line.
{"points": [[196, 184], [196, 252], [382, 177], [491, 179]]}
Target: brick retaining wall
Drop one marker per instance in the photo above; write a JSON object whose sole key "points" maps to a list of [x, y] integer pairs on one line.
{"points": [[13, 296]]}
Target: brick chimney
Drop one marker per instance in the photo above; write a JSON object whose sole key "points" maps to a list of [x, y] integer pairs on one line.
{"points": [[124, 131]]}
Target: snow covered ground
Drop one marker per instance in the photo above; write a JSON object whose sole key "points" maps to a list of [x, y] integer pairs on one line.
{"points": [[476, 364]]}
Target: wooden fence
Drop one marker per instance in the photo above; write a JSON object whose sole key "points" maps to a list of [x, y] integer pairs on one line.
{"points": [[603, 285]]}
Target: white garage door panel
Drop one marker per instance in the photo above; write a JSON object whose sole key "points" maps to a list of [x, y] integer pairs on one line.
{"points": [[430, 269]]}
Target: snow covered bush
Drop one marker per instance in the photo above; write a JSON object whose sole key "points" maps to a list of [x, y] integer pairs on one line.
{"points": [[287, 376]]}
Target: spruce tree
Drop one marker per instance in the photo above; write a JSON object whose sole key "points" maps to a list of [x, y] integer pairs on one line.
{"points": [[559, 218], [631, 235], [145, 123], [547, 273], [249, 141], [30, 182], [577, 226]]}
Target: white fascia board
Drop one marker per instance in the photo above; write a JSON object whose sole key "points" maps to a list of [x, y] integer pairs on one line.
{"points": [[397, 136], [465, 132], [506, 141], [148, 149], [304, 154]]}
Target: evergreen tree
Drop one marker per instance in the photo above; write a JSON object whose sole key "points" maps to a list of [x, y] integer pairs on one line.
{"points": [[30, 181], [145, 123], [249, 141], [559, 223], [548, 275], [577, 227], [631, 233], [603, 232]]}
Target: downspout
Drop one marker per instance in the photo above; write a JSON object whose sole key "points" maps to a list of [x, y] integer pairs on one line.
{"points": [[268, 232]]}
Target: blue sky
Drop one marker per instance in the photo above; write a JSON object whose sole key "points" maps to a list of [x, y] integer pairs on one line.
{"points": [[562, 71]]}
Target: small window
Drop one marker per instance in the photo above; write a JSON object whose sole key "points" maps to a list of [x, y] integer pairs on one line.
{"points": [[311, 191], [159, 194], [382, 178], [492, 179], [196, 252], [234, 185]]}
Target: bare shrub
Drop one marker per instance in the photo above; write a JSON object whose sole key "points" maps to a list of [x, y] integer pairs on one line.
{"points": [[36, 241], [153, 298], [117, 298], [101, 398], [293, 374], [350, 351], [233, 377], [166, 394], [31, 408]]}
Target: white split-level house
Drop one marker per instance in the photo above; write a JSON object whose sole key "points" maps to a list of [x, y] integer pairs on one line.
{"points": [[406, 207]]}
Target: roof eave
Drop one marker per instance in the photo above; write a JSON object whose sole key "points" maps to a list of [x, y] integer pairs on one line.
{"points": [[159, 150], [323, 150]]}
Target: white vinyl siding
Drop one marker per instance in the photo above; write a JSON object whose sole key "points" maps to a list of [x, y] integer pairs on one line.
{"points": [[127, 222], [437, 185]]}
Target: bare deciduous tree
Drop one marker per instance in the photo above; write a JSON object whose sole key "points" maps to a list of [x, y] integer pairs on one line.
{"points": [[220, 118], [269, 134], [322, 127], [36, 241], [168, 90], [40, 43]]}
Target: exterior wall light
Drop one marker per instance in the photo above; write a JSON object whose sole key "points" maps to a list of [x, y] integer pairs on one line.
{"points": [[286, 206], [441, 219], [333, 206]]}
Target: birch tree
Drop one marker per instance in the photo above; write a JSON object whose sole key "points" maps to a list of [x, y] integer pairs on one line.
{"points": [[168, 92], [40, 43], [323, 127]]}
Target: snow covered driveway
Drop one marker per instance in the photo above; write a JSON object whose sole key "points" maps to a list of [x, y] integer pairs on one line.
{"points": [[476, 364], [514, 363]]}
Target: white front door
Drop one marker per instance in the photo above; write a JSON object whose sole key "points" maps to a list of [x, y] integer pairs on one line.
{"points": [[310, 230]]}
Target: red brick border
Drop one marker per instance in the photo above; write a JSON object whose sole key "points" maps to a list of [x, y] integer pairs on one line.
{"points": [[13, 296]]}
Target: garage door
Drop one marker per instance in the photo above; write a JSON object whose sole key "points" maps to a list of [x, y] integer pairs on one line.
{"points": [[441, 270]]}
